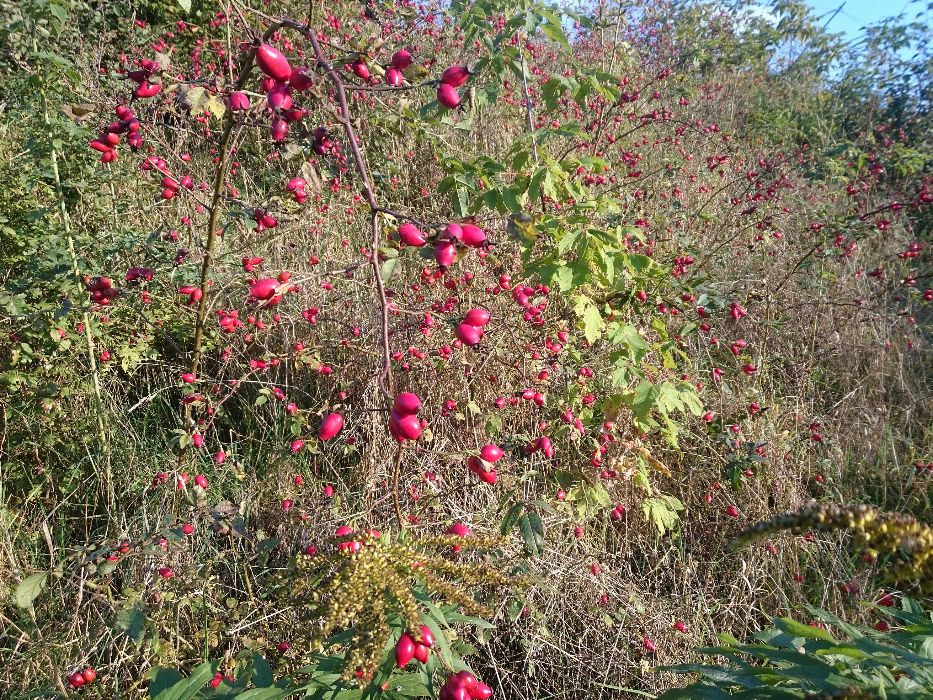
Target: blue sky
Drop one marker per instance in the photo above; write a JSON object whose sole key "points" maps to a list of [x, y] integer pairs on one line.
{"points": [[858, 13]]}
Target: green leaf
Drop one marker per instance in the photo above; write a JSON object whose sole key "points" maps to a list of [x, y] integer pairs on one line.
{"points": [[189, 687], [162, 680], [534, 188], [553, 31], [548, 186], [563, 278], [132, 621], [262, 671], [185, 5], [30, 588], [511, 517], [592, 323], [387, 269], [552, 91], [532, 529], [410, 685], [662, 512], [58, 12], [460, 201], [645, 400], [510, 199], [799, 629], [264, 694]]}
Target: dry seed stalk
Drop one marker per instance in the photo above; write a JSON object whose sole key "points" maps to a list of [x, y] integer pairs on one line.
{"points": [[343, 588], [907, 543]]}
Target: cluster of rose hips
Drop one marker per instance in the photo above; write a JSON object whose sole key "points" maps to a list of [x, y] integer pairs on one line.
{"points": [[484, 465], [134, 274], [193, 293], [470, 331], [404, 423], [353, 545], [218, 679], [401, 60], [447, 241], [145, 88], [170, 185], [264, 220], [79, 679], [181, 481], [106, 144], [407, 648], [101, 289], [297, 187], [464, 686], [451, 79], [228, 320], [269, 290], [281, 81], [322, 143]]}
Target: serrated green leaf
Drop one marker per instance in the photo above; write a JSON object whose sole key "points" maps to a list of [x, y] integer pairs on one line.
{"points": [[511, 517], [592, 323]]}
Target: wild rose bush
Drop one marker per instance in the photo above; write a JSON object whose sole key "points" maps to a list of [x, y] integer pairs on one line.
{"points": [[451, 339]]}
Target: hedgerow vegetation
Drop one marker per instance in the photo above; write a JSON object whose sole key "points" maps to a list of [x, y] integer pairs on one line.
{"points": [[464, 350]]}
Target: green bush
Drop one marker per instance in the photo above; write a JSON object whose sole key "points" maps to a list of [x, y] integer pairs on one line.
{"points": [[825, 658]]}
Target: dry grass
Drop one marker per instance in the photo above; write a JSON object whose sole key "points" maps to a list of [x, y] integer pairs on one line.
{"points": [[821, 358]]}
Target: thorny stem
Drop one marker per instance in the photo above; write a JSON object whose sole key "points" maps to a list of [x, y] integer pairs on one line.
{"points": [[211, 238], [385, 378]]}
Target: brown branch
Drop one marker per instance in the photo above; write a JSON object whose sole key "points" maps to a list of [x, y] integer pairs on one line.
{"points": [[385, 378]]}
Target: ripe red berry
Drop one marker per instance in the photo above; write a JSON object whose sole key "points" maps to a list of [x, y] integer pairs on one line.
{"points": [[491, 453], [422, 653], [406, 404], [330, 426], [469, 335], [410, 235], [401, 59], [448, 96], [455, 76], [404, 650], [476, 317], [273, 63]]}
